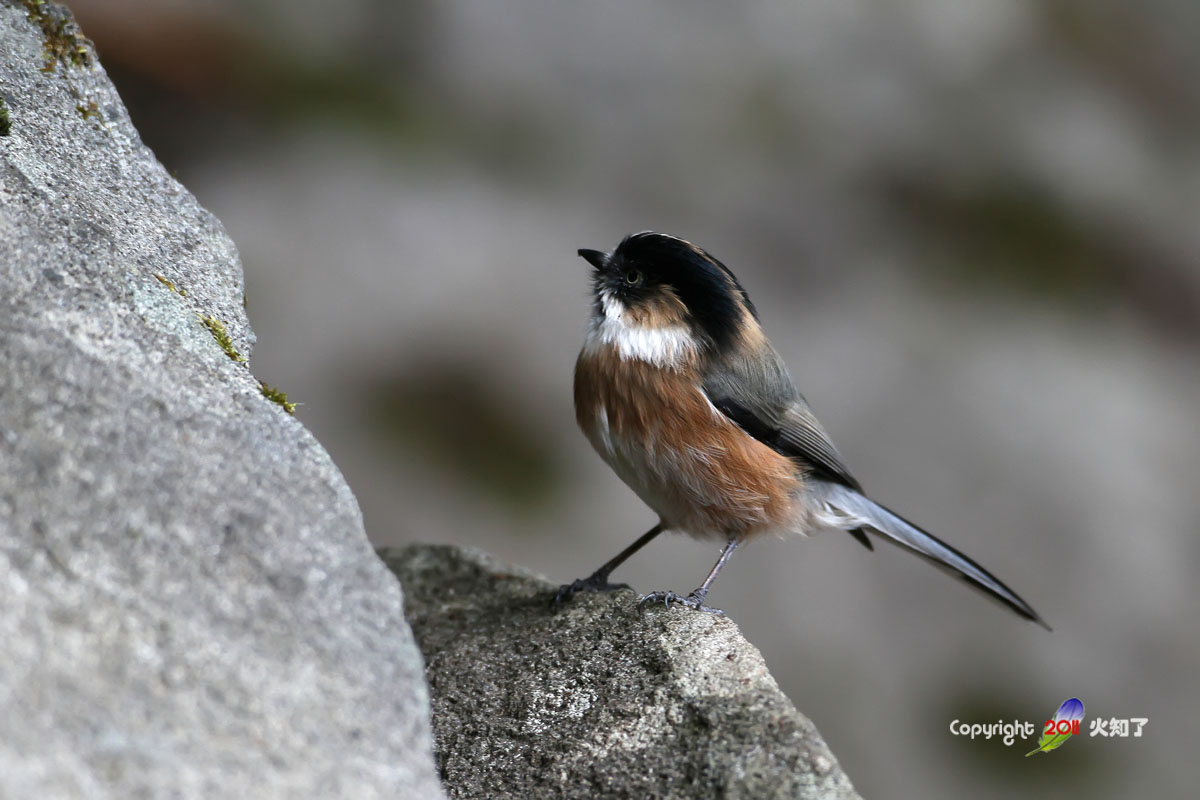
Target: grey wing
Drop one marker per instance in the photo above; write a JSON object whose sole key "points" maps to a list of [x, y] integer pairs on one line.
{"points": [[759, 396], [802, 436]]}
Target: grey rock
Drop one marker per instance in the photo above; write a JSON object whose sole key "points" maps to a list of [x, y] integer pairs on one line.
{"points": [[190, 606], [599, 699]]}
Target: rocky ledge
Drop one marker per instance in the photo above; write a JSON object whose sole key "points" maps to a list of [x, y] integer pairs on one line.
{"points": [[599, 699]]}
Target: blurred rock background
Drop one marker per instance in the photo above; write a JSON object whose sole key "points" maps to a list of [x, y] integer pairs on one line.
{"points": [[970, 229]]}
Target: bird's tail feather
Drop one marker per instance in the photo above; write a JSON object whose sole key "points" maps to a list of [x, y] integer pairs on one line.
{"points": [[848, 509]]}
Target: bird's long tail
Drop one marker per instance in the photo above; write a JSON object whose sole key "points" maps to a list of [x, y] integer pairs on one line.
{"points": [[848, 509]]}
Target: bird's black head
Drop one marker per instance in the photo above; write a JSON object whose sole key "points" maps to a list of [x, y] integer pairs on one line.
{"points": [[649, 272]]}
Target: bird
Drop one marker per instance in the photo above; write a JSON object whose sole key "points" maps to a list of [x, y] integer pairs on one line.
{"points": [[681, 393]]}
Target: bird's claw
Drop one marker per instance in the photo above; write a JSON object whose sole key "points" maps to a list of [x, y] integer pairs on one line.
{"points": [[693, 601], [593, 583]]}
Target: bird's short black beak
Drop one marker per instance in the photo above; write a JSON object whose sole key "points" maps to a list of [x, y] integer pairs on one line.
{"points": [[594, 257]]}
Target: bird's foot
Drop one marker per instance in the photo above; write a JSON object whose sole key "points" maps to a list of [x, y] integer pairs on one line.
{"points": [[694, 601], [596, 582]]}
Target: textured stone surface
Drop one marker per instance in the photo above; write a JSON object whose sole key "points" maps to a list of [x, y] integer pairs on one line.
{"points": [[190, 604], [600, 699]]}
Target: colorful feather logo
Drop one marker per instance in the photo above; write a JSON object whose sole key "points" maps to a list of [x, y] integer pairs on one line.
{"points": [[1064, 725]]}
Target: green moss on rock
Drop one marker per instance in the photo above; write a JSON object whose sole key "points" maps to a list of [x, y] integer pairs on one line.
{"points": [[277, 397], [170, 285], [217, 329], [64, 39]]}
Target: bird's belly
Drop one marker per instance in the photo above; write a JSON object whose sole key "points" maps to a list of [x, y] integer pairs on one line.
{"points": [[700, 472]]}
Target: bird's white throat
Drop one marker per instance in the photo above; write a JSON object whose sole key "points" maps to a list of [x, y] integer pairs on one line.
{"points": [[667, 346]]}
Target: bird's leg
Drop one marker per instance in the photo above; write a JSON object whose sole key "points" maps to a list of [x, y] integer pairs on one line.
{"points": [[702, 592], [598, 580], [695, 599]]}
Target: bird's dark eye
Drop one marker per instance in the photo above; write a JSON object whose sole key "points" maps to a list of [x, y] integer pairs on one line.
{"points": [[633, 278]]}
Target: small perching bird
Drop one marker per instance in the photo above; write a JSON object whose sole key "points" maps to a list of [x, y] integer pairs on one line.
{"points": [[681, 393]]}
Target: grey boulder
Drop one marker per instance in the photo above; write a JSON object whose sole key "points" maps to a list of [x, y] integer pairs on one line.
{"points": [[189, 606], [599, 699]]}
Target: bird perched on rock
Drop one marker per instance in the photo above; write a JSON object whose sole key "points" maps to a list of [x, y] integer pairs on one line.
{"points": [[681, 393]]}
